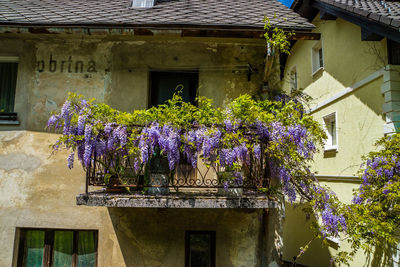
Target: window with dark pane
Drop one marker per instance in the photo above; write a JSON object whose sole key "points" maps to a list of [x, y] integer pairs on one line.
{"points": [[320, 58], [200, 249], [8, 81], [57, 248], [165, 84], [394, 52]]}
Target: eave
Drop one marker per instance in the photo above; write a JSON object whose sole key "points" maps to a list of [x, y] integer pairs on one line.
{"points": [[362, 21], [211, 31]]}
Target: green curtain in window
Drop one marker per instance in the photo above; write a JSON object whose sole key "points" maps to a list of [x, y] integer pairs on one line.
{"points": [[63, 248], [34, 248], [8, 80], [87, 242]]}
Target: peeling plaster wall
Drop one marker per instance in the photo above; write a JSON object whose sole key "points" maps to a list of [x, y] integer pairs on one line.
{"points": [[115, 69], [38, 190], [156, 237]]}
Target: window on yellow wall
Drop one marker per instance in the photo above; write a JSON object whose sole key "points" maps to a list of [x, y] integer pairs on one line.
{"points": [[393, 52], [293, 79], [317, 57], [331, 132], [8, 81], [57, 247]]}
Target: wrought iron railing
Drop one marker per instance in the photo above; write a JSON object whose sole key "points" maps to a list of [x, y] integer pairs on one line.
{"points": [[156, 178]]}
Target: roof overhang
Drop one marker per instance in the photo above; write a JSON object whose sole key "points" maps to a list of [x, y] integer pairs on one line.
{"points": [[310, 8], [363, 22], [211, 31]]}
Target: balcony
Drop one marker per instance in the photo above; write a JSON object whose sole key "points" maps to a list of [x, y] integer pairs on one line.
{"points": [[178, 155], [155, 186]]}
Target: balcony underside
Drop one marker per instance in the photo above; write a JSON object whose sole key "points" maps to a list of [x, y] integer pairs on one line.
{"points": [[104, 199]]}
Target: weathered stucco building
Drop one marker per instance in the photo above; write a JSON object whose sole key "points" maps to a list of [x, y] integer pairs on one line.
{"points": [[122, 55], [352, 75]]}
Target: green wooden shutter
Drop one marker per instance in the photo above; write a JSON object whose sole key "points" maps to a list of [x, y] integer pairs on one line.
{"points": [[8, 81]]}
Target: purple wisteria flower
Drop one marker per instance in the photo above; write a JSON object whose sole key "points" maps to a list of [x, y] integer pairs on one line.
{"points": [[211, 142], [228, 125], [87, 155], [238, 178], [81, 124], [257, 151], [65, 114], [261, 130], [357, 200], [53, 120], [71, 160], [108, 128], [332, 222], [120, 135]]}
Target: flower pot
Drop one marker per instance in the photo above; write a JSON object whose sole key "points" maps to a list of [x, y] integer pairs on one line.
{"points": [[158, 176], [233, 189], [158, 184]]}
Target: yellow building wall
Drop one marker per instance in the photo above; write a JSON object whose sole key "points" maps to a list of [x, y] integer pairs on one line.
{"points": [[347, 59], [356, 66]]}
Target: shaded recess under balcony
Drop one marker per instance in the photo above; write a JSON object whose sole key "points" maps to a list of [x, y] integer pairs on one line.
{"points": [[206, 186]]}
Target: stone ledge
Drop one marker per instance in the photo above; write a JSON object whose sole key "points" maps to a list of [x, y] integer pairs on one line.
{"points": [[103, 199]]}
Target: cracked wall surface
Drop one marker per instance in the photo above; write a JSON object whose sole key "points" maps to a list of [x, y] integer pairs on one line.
{"points": [[37, 189]]}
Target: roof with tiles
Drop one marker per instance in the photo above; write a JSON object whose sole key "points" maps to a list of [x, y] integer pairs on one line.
{"points": [[182, 13], [385, 12]]}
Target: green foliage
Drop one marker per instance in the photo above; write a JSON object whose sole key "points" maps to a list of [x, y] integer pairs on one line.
{"points": [[277, 38], [374, 217]]}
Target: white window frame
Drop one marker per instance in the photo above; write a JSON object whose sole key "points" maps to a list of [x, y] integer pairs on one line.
{"points": [[142, 3], [332, 142], [294, 83], [315, 58]]}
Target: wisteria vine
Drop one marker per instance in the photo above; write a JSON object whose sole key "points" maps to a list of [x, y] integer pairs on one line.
{"points": [[374, 216], [275, 136]]}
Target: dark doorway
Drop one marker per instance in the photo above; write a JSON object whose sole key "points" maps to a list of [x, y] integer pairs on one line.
{"points": [[200, 249], [165, 83]]}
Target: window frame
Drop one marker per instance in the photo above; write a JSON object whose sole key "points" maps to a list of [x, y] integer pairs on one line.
{"points": [[293, 70], [329, 146], [10, 118], [317, 57], [390, 47], [143, 4], [175, 71], [212, 246], [49, 244]]}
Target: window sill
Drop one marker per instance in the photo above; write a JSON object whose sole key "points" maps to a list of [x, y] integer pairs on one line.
{"points": [[8, 122], [330, 149], [333, 241], [317, 71], [8, 118]]}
